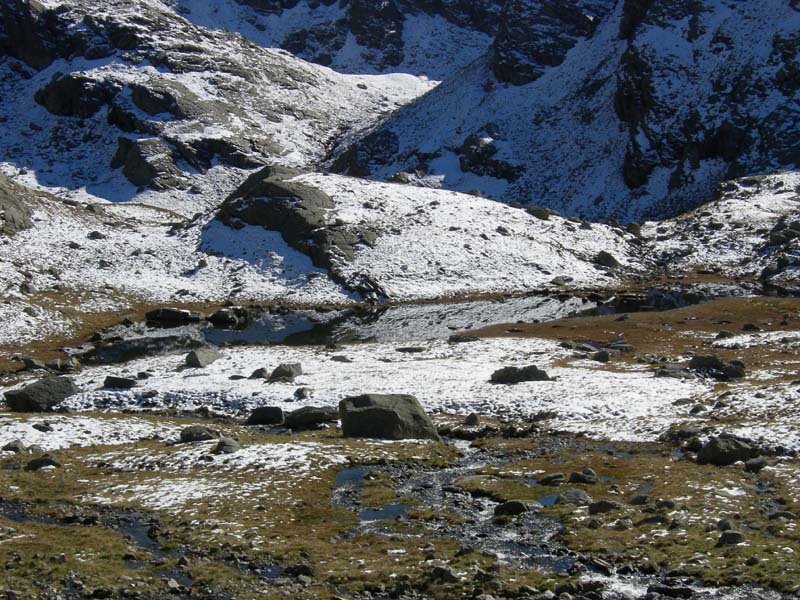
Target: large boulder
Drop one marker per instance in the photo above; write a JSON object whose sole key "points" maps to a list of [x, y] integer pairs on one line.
{"points": [[197, 433], [286, 372], [386, 416], [41, 395], [510, 375], [202, 357], [15, 213], [271, 199], [725, 450], [310, 417], [714, 367], [266, 415]]}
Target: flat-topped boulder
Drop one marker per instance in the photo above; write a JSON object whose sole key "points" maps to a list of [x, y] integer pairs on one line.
{"points": [[386, 416]]}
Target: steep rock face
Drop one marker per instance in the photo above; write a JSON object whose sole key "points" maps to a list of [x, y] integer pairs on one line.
{"points": [[536, 34], [640, 115], [363, 36]]}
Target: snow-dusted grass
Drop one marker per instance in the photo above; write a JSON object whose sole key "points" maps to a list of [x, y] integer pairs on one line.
{"points": [[620, 404], [70, 431]]}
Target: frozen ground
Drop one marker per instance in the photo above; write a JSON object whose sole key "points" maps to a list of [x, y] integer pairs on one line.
{"points": [[614, 403], [67, 431]]}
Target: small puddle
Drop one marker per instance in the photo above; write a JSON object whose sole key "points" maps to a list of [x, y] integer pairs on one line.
{"points": [[548, 500], [390, 512]]}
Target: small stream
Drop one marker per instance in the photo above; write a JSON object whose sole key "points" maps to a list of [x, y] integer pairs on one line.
{"points": [[525, 542]]}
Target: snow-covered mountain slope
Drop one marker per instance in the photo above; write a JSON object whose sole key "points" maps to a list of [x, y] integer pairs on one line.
{"points": [[148, 99], [750, 230], [361, 36], [643, 118], [406, 242]]}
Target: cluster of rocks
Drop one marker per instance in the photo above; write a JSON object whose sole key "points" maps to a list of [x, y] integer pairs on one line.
{"points": [[380, 416], [599, 351], [707, 366]]}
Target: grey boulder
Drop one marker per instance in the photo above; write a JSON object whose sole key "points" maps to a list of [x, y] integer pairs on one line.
{"points": [[724, 450], [266, 415], [286, 372], [41, 395], [511, 375], [311, 416], [386, 416], [197, 433], [202, 357]]}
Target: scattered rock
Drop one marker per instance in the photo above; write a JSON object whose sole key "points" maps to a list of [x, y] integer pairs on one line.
{"points": [[286, 372], [119, 383], [261, 373], [226, 445], [587, 476], [173, 316], [511, 508], [574, 496], [311, 416], [458, 338], [266, 415], [755, 465], [602, 356], [730, 538], [714, 367], [724, 450], [606, 259], [670, 591], [675, 372], [197, 433], [472, 420], [512, 375], [41, 395], [16, 446], [303, 393], [386, 416], [235, 316], [603, 506], [553, 479], [41, 463], [202, 357]]}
